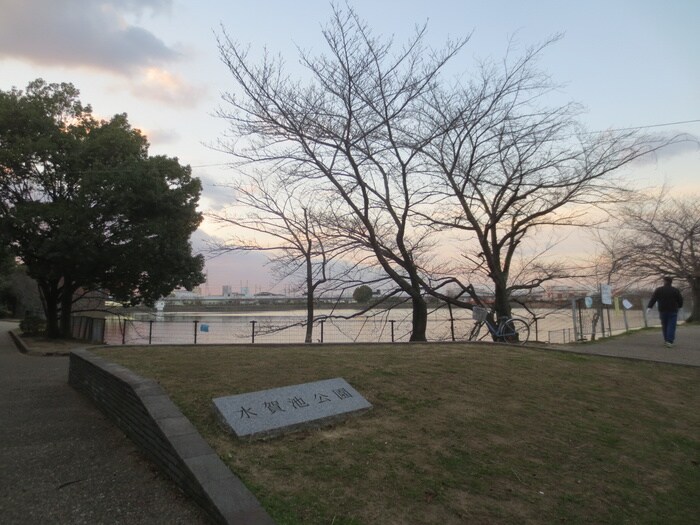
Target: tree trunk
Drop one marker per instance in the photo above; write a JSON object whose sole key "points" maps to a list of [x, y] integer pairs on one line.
{"points": [[49, 292], [501, 305], [309, 298], [309, 320], [309, 316], [66, 309], [502, 300], [420, 319]]}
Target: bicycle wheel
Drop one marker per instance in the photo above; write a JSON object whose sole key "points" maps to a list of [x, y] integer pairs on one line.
{"points": [[514, 331]]}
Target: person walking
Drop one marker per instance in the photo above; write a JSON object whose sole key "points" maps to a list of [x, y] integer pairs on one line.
{"points": [[670, 301]]}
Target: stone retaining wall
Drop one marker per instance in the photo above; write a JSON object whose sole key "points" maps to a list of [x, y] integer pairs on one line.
{"points": [[144, 412]]}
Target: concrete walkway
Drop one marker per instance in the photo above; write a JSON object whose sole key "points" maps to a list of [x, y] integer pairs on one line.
{"points": [[62, 461], [646, 345]]}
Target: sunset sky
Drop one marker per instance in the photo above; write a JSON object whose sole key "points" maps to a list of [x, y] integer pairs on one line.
{"points": [[632, 63]]}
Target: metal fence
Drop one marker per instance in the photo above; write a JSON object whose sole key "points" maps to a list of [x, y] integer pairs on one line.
{"points": [[277, 331], [550, 325], [593, 320]]}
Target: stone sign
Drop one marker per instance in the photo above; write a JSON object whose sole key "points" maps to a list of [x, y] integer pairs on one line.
{"points": [[280, 410]]}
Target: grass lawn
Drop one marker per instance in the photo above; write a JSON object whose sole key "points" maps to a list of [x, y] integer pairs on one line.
{"points": [[458, 433]]}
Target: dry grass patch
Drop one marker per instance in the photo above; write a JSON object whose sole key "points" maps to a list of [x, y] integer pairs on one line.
{"points": [[458, 433]]}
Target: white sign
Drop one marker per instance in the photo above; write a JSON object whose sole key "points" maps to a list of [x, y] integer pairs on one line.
{"points": [[606, 294], [271, 412]]}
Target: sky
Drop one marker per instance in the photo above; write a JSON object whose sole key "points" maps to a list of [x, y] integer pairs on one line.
{"points": [[631, 63]]}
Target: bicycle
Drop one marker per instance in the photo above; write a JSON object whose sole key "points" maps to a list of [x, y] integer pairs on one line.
{"points": [[512, 330]]}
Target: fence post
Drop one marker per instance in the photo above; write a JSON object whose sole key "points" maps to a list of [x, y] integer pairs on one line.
{"points": [[392, 331], [573, 317], [150, 331], [452, 329], [123, 330], [252, 323], [644, 315], [624, 318], [322, 321], [195, 331]]}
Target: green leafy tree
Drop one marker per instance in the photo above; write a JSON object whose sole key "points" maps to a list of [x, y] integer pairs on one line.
{"points": [[7, 267], [85, 207], [7, 264], [362, 294]]}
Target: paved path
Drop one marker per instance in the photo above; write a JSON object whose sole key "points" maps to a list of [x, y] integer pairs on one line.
{"points": [[647, 345], [63, 462]]}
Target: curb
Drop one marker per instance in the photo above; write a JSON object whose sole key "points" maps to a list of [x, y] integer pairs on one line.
{"points": [[19, 343], [146, 414], [22, 346]]}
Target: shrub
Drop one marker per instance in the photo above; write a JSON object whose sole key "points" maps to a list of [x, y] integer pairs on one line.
{"points": [[32, 325], [362, 294]]}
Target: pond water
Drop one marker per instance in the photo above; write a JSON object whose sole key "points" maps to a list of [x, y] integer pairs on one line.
{"points": [[283, 327]]}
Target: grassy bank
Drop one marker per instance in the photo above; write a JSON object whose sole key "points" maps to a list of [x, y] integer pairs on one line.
{"points": [[458, 434]]}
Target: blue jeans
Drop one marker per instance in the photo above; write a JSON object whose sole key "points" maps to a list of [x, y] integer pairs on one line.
{"points": [[668, 325]]}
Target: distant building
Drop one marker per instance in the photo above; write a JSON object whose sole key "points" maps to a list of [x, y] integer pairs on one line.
{"points": [[268, 294], [564, 292], [183, 294]]}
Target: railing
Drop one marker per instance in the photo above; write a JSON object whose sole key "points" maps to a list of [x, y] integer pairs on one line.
{"points": [[278, 331], [596, 323], [552, 326]]}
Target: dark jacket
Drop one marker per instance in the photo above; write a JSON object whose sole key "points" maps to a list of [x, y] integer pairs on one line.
{"points": [[668, 297]]}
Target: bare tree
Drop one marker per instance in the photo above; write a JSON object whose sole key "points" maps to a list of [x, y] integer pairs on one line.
{"points": [[510, 169], [407, 156], [609, 262], [661, 236], [285, 221], [356, 128]]}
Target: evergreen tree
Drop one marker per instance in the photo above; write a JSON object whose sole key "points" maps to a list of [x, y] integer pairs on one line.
{"points": [[85, 207]]}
